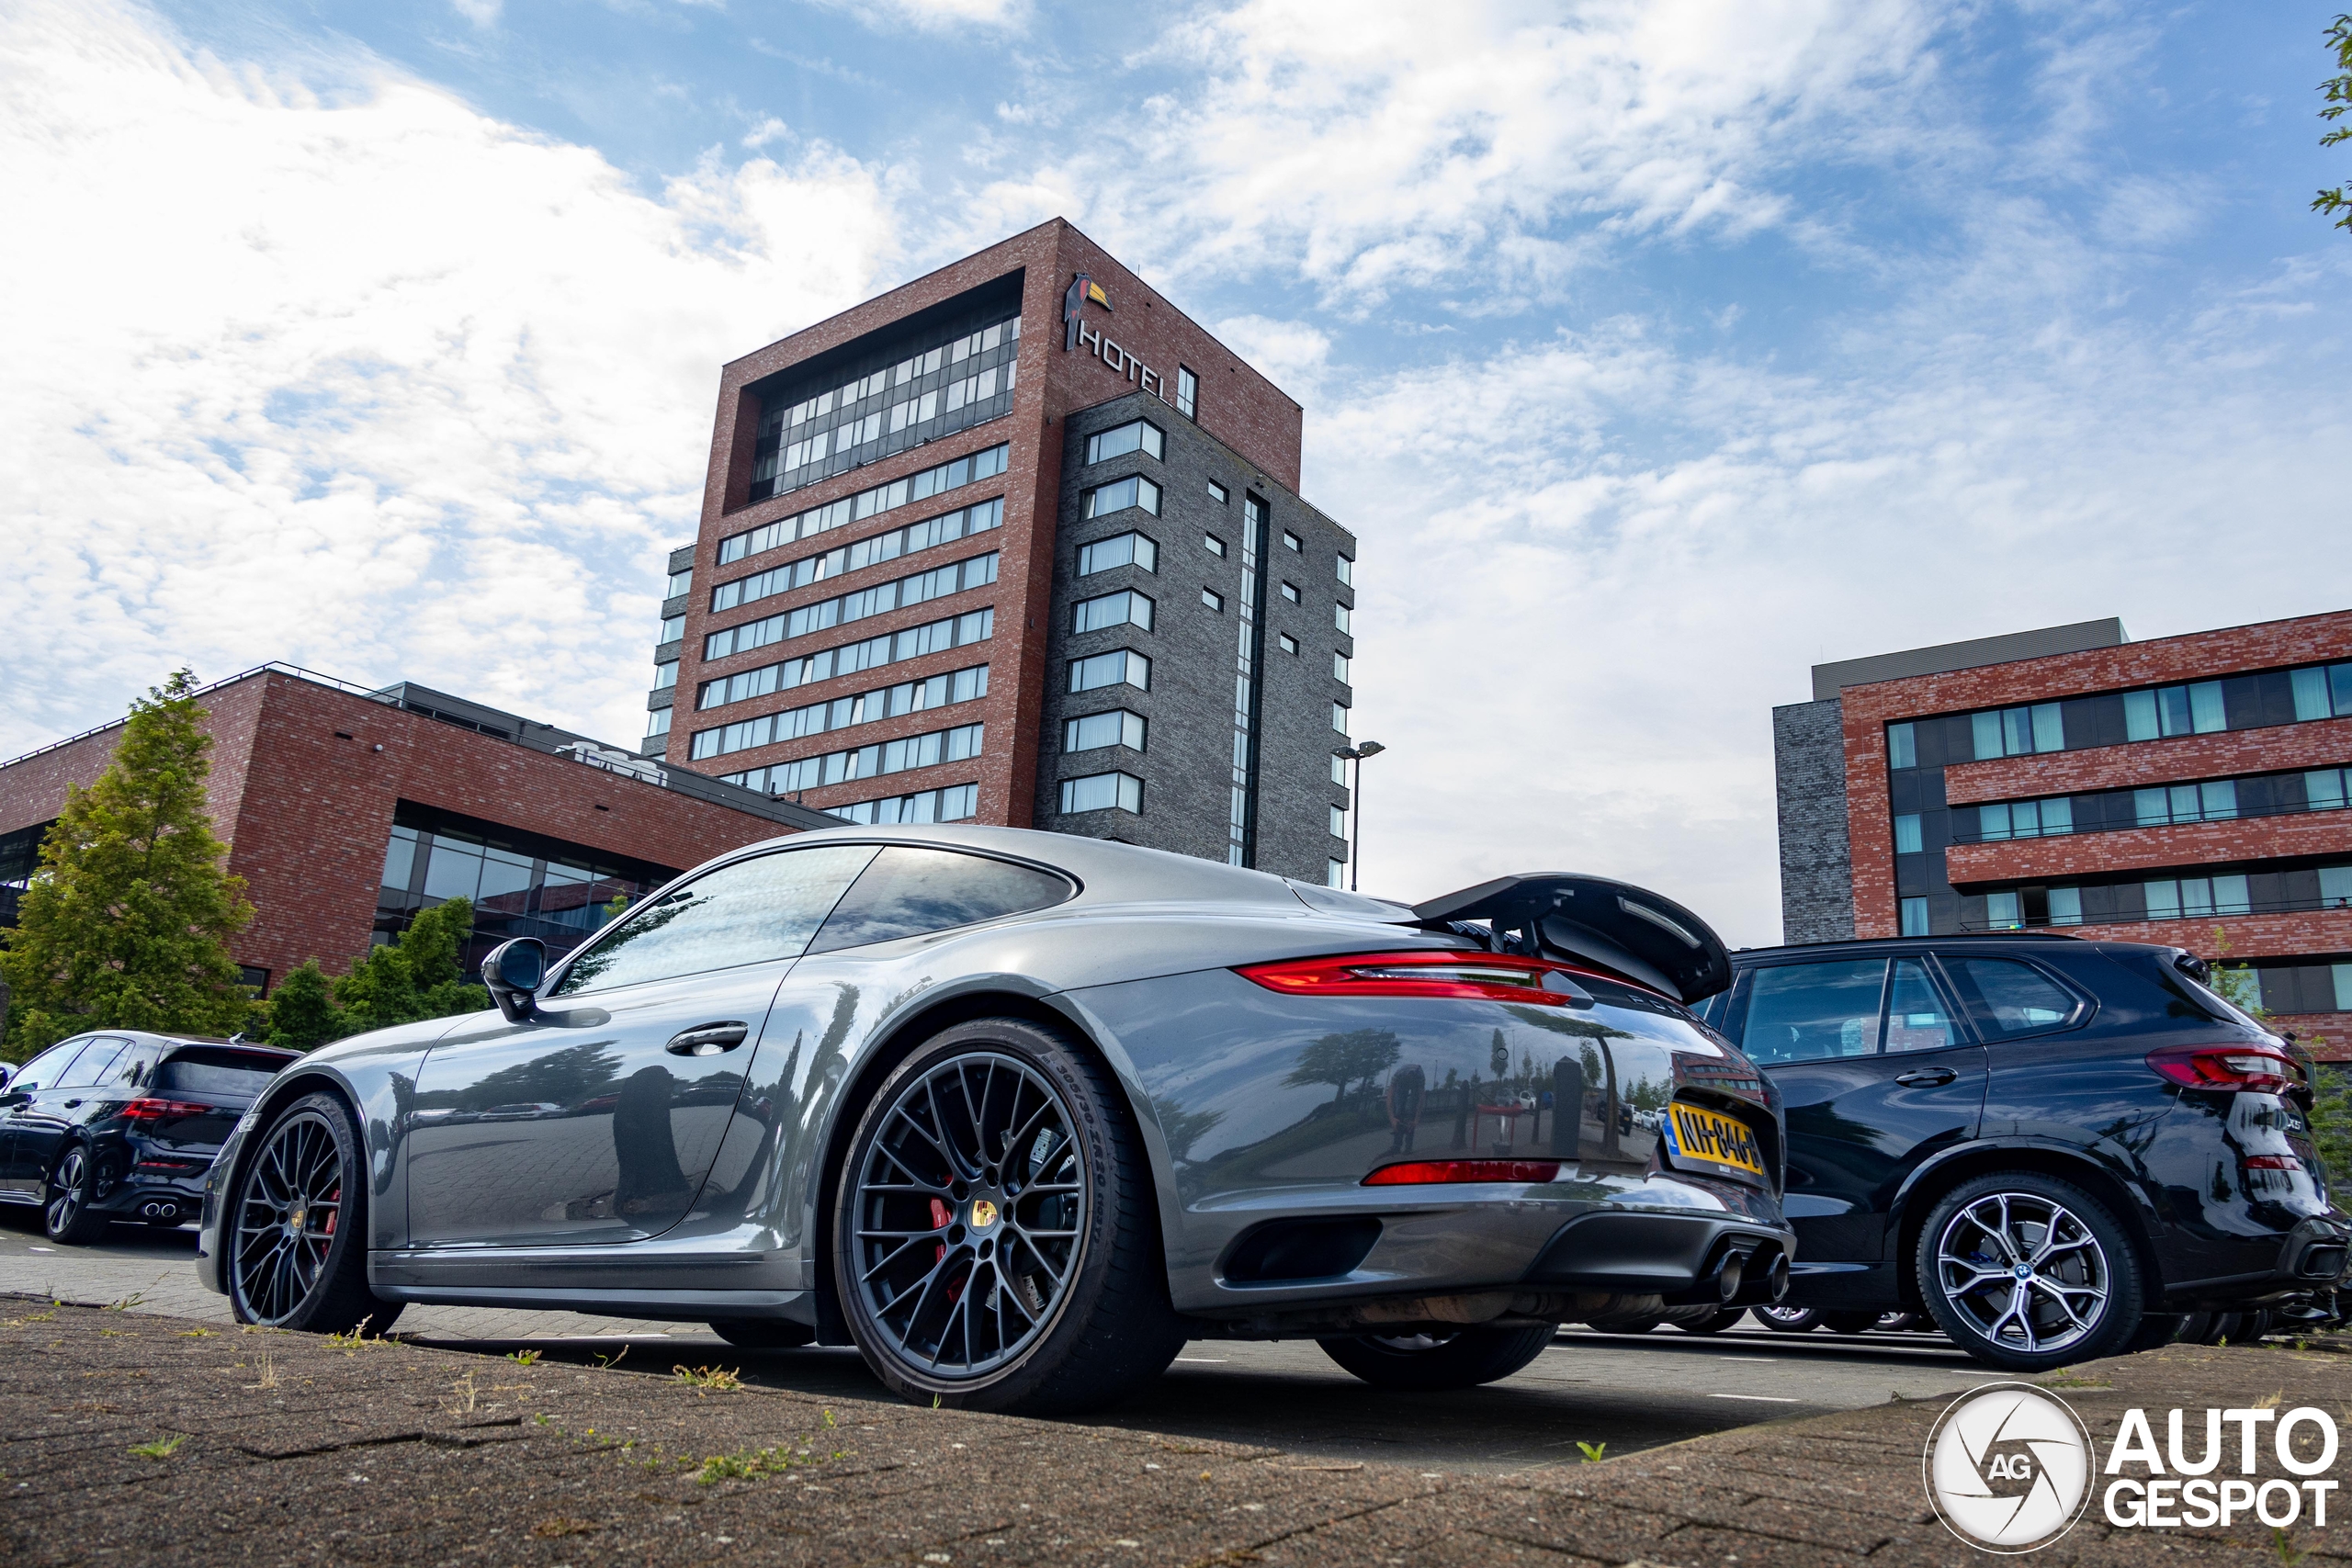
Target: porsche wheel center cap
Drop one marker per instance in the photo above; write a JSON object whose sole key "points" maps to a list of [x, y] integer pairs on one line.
{"points": [[294, 1221], [983, 1214]]}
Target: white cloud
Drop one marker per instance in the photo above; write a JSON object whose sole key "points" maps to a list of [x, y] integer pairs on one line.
{"points": [[345, 373], [936, 16], [480, 13]]}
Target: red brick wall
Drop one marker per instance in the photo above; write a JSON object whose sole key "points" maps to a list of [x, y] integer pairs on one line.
{"points": [[2149, 849], [1868, 709], [307, 810], [1240, 406]]}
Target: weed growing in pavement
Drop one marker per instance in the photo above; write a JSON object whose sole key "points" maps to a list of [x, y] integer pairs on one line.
{"points": [[197, 1334], [707, 1379], [127, 1302], [36, 1317], [161, 1448], [467, 1394], [357, 1339], [608, 1362], [1592, 1451], [116, 1333], [266, 1370], [524, 1358], [2284, 1545], [556, 1525]]}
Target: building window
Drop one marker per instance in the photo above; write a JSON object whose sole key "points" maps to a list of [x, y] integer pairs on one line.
{"points": [[2026, 819], [2173, 710], [1289, 643], [1338, 770], [890, 647], [1211, 544], [865, 504], [940, 690], [681, 582], [1124, 608], [2335, 888], [1117, 727], [1103, 792], [2195, 897], [902, 593], [2324, 790], [1902, 746], [1335, 875], [1340, 668], [665, 675], [2213, 802], [946, 529], [1115, 668], [953, 804], [1292, 541], [1221, 495], [2019, 732], [1339, 618], [1338, 822], [657, 723], [1122, 549], [1120, 494], [1914, 917], [673, 628], [1347, 571], [2065, 906], [1907, 833], [2001, 912], [1290, 591], [1214, 600], [2323, 691], [1188, 392], [1135, 435], [1340, 718], [838, 767]]}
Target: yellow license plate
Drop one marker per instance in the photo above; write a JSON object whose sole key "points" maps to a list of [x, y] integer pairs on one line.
{"points": [[1701, 1140]]}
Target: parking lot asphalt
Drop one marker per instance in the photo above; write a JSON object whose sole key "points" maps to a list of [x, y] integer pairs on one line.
{"points": [[1628, 1393], [140, 1439]]}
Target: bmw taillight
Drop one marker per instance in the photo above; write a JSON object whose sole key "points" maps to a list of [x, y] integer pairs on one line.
{"points": [[151, 1110], [2229, 1067], [1415, 1173], [1478, 976]]}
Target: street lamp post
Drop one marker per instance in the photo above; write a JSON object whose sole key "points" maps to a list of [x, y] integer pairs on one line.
{"points": [[1357, 754]]}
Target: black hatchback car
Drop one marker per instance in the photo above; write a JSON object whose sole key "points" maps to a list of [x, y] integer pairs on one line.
{"points": [[2053, 1146], [123, 1125]]}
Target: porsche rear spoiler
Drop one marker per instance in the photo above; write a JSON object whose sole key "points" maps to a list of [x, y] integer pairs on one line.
{"points": [[1620, 927]]}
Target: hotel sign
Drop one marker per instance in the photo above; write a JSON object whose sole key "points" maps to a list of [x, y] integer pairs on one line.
{"points": [[1077, 338]]}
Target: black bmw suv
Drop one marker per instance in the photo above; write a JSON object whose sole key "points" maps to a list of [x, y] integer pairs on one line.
{"points": [[2054, 1146], [123, 1125]]}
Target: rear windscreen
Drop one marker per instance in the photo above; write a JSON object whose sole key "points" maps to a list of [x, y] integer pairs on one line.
{"points": [[232, 1073]]}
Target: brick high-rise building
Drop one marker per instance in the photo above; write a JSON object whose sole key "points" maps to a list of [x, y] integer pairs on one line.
{"points": [[1017, 543], [2190, 791]]}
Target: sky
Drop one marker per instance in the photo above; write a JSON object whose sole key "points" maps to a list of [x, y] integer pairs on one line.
{"points": [[1655, 352]]}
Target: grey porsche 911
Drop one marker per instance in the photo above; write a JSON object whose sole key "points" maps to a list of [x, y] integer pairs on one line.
{"points": [[1018, 1114]]}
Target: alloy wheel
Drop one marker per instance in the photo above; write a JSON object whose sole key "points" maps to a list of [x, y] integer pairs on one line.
{"points": [[287, 1215], [66, 1190], [970, 1204], [2024, 1272]]}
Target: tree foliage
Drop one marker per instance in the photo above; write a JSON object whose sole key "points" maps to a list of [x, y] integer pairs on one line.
{"points": [[302, 1014], [417, 975], [2337, 93], [127, 921], [1340, 1059]]}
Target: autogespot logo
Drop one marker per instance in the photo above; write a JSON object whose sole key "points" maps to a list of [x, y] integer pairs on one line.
{"points": [[2009, 1468]]}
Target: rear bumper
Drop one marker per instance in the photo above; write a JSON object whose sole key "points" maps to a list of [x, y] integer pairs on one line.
{"points": [[2316, 1254], [1677, 1257]]}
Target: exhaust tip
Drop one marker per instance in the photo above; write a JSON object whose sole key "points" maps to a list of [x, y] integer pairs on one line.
{"points": [[1728, 1278], [1776, 1278]]}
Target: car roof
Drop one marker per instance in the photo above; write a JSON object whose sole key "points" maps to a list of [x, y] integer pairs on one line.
{"points": [[158, 1036], [2039, 940]]}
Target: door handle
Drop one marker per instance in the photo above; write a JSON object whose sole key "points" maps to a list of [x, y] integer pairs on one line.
{"points": [[709, 1040], [1925, 1078], [73, 1104]]}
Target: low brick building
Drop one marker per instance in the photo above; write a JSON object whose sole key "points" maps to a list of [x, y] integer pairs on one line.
{"points": [[346, 810], [2190, 790]]}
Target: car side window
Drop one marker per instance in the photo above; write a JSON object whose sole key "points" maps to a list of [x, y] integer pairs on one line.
{"points": [[1807, 1012], [45, 1069], [908, 892], [750, 911], [1915, 1017], [2009, 998], [91, 1065]]}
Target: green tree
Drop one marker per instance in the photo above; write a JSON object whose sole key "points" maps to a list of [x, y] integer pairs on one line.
{"points": [[302, 1014], [2337, 93], [128, 920], [1342, 1058], [417, 975]]}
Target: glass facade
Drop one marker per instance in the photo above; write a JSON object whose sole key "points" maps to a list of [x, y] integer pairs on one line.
{"points": [[891, 647], [939, 691], [953, 804], [521, 883], [1135, 435], [1250, 651], [1118, 668], [962, 523], [957, 577], [1120, 549], [1117, 727], [937, 481], [864, 763], [1103, 792], [929, 384], [1126, 608]]}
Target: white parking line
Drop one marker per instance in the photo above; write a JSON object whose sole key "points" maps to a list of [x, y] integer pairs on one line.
{"points": [[1759, 1398], [1207, 1360]]}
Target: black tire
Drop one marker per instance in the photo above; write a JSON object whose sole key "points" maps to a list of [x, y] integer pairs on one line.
{"points": [[1716, 1324], [1061, 1225], [1788, 1319], [2081, 1297], [284, 1270], [1427, 1362], [1850, 1322], [69, 1196], [1902, 1322], [2157, 1329], [763, 1333]]}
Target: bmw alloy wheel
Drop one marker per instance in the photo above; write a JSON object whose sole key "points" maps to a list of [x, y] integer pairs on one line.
{"points": [[2024, 1271]]}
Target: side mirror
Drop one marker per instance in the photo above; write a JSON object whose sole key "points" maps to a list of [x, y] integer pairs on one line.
{"points": [[512, 972]]}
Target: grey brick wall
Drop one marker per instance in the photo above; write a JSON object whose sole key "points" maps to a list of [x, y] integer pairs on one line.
{"points": [[1187, 764], [1816, 863]]}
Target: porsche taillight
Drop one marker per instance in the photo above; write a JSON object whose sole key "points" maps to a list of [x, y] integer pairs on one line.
{"points": [[1420, 1172], [2227, 1067], [1478, 976]]}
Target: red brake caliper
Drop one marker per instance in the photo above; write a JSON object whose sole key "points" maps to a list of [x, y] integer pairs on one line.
{"points": [[940, 1216], [335, 1198]]}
